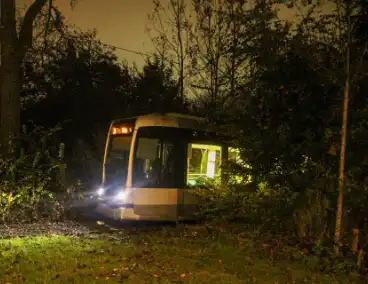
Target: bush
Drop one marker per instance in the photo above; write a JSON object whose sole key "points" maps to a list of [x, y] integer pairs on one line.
{"points": [[31, 178], [301, 215]]}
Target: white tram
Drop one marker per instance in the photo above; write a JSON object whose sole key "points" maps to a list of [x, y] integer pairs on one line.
{"points": [[154, 164]]}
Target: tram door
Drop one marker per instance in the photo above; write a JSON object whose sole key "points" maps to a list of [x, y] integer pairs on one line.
{"points": [[155, 177]]}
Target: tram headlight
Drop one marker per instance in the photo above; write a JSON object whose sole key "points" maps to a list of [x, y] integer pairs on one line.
{"points": [[100, 191], [120, 196]]}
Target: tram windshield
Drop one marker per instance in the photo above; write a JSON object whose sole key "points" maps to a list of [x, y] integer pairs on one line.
{"points": [[116, 167]]}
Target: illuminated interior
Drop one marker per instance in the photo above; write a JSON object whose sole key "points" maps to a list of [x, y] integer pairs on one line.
{"points": [[204, 163]]}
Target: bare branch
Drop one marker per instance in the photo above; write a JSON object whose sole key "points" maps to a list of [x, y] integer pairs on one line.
{"points": [[26, 32], [48, 20]]}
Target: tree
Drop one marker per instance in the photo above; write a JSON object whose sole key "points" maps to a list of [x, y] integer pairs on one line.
{"points": [[338, 29], [14, 46], [334, 44], [350, 14], [156, 90], [81, 86], [287, 116], [224, 34], [276, 133], [171, 28], [209, 46]]}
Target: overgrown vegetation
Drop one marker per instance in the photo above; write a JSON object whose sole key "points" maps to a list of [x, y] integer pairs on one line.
{"points": [[33, 180]]}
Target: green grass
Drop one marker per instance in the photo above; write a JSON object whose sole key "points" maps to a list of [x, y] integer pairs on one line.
{"points": [[171, 255]]}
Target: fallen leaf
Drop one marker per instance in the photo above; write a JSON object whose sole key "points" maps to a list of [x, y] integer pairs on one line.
{"points": [[107, 278], [126, 268], [249, 261], [220, 261], [115, 269], [155, 275], [182, 275]]}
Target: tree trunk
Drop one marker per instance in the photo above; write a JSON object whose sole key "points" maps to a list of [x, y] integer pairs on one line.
{"points": [[180, 27], [341, 182], [10, 103], [9, 78], [13, 50]]}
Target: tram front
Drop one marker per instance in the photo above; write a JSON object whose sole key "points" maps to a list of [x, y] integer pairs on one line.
{"points": [[113, 192]]}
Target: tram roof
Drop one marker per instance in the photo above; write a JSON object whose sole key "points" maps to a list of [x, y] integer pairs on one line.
{"points": [[176, 120]]}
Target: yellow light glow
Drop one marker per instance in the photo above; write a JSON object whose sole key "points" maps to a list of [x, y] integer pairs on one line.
{"points": [[119, 130], [211, 164], [206, 147], [124, 130]]}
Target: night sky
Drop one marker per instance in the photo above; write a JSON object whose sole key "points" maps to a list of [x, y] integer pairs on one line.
{"points": [[119, 22]]}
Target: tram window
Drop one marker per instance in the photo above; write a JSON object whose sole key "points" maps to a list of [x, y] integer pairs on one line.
{"points": [[117, 159], [204, 163], [120, 143], [148, 149], [158, 161], [147, 162]]}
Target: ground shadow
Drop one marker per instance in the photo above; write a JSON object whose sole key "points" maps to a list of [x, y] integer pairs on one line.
{"points": [[98, 223]]}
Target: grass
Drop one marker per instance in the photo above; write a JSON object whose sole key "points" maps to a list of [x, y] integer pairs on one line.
{"points": [[165, 255]]}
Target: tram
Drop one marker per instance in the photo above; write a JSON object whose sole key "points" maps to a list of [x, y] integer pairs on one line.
{"points": [[154, 165]]}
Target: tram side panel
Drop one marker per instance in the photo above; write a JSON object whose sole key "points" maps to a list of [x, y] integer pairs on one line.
{"points": [[156, 203]]}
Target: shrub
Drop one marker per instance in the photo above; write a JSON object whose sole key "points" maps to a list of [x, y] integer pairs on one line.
{"points": [[302, 215], [32, 176]]}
